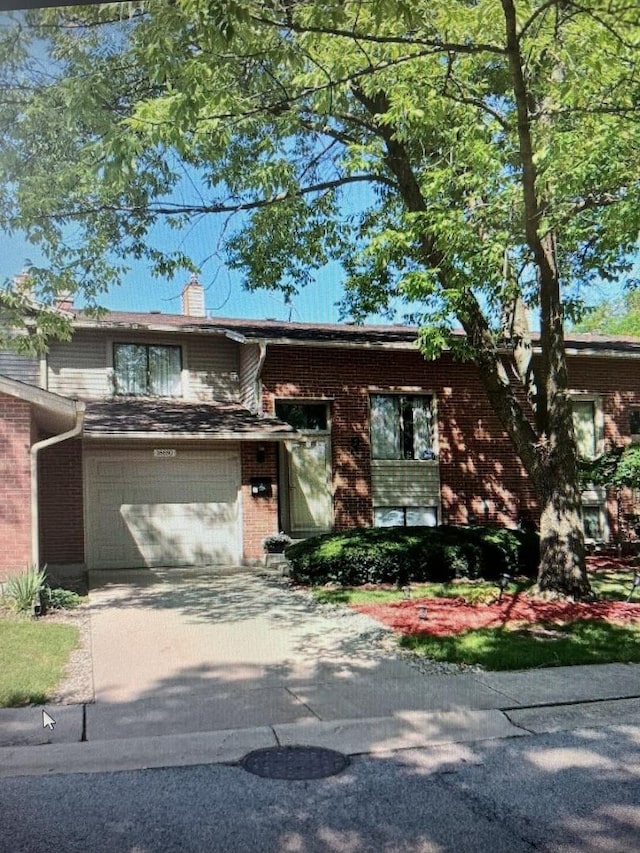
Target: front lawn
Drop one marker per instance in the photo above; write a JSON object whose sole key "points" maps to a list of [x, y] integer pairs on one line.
{"points": [[468, 622], [33, 655], [584, 641]]}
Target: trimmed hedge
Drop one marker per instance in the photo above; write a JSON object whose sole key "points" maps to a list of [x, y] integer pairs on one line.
{"points": [[404, 554]]}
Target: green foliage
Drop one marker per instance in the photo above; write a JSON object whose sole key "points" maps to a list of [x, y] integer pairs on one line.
{"points": [[60, 599], [617, 468], [21, 590], [34, 654], [412, 554], [537, 645], [613, 316], [281, 116]]}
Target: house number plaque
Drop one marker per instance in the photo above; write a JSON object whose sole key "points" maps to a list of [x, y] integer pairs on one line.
{"points": [[164, 453]]}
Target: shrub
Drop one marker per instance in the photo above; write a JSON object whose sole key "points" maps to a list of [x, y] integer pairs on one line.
{"points": [[60, 599], [21, 590], [413, 554]]}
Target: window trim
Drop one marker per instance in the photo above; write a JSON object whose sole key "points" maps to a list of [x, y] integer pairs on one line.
{"points": [[406, 392], [148, 344], [598, 415]]}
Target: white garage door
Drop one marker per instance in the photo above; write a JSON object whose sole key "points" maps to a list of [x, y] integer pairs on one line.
{"points": [[151, 510]]}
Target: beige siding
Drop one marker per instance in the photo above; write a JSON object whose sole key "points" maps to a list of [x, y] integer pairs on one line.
{"points": [[79, 367], [213, 364], [249, 366], [21, 367], [83, 366], [405, 483]]}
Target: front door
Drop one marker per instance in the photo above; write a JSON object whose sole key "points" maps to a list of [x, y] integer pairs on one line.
{"points": [[307, 503]]}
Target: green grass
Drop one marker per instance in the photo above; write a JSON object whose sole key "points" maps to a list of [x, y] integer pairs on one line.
{"points": [[473, 592], [612, 586], [539, 645], [32, 659]]}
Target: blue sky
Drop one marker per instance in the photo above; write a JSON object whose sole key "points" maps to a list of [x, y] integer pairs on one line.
{"points": [[225, 296]]}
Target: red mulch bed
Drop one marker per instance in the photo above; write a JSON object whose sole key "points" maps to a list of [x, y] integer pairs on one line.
{"points": [[446, 616]]}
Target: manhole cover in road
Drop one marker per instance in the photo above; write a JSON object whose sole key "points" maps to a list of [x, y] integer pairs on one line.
{"points": [[294, 762]]}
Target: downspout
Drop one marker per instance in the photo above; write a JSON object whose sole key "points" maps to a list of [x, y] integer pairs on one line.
{"points": [[35, 450], [258, 380]]}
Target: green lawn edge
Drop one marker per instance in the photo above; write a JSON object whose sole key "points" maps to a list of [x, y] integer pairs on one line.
{"points": [[33, 656], [538, 645]]}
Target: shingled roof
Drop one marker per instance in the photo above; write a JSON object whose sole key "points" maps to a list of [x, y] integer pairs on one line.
{"points": [[169, 417], [278, 331]]}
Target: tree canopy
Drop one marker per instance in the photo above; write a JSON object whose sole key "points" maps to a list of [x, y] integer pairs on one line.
{"points": [[470, 157], [619, 316]]}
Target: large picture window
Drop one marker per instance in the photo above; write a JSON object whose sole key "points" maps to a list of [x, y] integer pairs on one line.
{"points": [[401, 426], [147, 370]]}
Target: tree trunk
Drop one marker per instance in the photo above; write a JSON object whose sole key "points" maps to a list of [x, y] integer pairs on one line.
{"points": [[562, 552]]}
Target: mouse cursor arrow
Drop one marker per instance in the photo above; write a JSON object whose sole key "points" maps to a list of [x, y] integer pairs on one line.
{"points": [[47, 721]]}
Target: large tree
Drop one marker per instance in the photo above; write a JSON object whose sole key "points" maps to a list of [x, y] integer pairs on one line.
{"points": [[470, 157]]}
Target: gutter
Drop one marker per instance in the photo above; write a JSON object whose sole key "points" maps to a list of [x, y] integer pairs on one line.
{"points": [[258, 380], [35, 450]]}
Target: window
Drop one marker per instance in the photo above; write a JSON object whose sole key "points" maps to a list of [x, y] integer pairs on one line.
{"points": [[592, 522], [634, 421], [401, 427], [405, 516], [303, 416], [584, 427], [147, 370]]}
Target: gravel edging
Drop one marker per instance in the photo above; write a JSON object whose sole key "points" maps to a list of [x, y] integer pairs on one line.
{"points": [[76, 687]]}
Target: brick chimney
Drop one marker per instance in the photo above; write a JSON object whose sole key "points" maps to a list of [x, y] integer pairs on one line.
{"points": [[193, 298], [64, 300]]}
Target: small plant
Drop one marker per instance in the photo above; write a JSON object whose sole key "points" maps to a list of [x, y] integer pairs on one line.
{"points": [[276, 543], [60, 599], [22, 590]]}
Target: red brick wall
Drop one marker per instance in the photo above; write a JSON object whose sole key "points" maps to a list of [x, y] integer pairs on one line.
{"points": [[479, 471], [618, 380], [15, 486], [61, 503], [260, 515]]}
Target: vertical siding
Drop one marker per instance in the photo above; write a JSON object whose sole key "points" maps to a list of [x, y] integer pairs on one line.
{"points": [[79, 367], [249, 365], [213, 365], [24, 368]]}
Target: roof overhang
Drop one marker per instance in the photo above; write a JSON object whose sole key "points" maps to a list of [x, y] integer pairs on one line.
{"points": [[53, 414], [172, 420]]}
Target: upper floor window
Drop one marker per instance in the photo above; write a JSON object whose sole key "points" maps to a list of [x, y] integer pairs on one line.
{"points": [[584, 427], [401, 426], [147, 370]]}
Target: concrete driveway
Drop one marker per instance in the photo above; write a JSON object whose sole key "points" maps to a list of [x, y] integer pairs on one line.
{"points": [[169, 631], [206, 651]]}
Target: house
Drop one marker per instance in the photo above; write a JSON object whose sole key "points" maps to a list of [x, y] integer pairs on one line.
{"points": [[155, 439]]}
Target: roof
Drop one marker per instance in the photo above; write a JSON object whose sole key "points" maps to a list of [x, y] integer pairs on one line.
{"points": [[53, 413], [276, 331], [154, 418]]}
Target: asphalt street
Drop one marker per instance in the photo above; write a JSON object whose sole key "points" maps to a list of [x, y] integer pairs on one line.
{"points": [[566, 792]]}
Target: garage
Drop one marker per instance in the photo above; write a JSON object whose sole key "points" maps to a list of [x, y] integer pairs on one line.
{"points": [[162, 506]]}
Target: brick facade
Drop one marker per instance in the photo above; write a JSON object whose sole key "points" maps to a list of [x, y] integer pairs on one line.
{"points": [[259, 514], [61, 503], [479, 472], [481, 478], [15, 486]]}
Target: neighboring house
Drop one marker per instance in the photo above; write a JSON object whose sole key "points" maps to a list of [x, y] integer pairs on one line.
{"points": [[153, 439]]}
